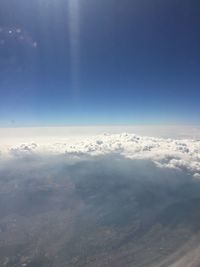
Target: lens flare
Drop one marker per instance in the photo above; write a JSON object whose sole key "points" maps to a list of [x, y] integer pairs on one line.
{"points": [[74, 32]]}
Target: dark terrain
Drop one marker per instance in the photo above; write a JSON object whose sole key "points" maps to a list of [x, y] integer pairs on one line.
{"points": [[100, 211]]}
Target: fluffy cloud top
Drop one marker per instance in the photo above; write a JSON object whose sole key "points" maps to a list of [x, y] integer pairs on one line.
{"points": [[165, 152]]}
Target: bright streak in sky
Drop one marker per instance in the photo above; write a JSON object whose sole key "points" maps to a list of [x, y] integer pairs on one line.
{"points": [[74, 30]]}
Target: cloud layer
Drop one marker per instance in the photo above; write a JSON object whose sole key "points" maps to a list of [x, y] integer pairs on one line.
{"points": [[165, 152]]}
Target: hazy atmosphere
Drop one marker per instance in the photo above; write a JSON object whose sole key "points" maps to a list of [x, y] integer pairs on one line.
{"points": [[92, 196]]}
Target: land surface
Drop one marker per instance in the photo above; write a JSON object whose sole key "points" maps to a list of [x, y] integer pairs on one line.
{"points": [[98, 212]]}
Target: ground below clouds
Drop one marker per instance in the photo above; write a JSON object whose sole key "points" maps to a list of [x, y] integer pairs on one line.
{"points": [[106, 210]]}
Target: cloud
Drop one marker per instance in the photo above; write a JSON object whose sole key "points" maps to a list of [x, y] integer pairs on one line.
{"points": [[181, 154], [23, 149]]}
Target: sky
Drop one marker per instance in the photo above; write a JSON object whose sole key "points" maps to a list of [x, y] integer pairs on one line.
{"points": [[90, 62]]}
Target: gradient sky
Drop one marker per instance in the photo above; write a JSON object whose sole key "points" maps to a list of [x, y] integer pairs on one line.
{"points": [[99, 62]]}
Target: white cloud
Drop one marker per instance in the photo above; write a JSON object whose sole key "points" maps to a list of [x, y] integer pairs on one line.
{"points": [[165, 152]]}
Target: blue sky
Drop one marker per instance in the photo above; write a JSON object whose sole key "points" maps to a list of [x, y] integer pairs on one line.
{"points": [[99, 62]]}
